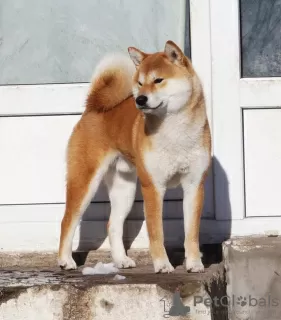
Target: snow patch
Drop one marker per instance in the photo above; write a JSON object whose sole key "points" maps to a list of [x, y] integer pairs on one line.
{"points": [[100, 268]]}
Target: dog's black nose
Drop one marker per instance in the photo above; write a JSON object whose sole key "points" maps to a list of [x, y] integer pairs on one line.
{"points": [[141, 100]]}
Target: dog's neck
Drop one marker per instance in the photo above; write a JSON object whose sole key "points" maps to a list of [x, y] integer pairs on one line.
{"points": [[154, 123]]}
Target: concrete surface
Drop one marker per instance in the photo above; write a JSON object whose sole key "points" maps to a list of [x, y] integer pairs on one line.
{"points": [[253, 275], [60, 295], [245, 286], [31, 284], [212, 253]]}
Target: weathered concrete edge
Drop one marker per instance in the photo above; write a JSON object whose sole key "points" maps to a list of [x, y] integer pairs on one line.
{"points": [[72, 301], [81, 296]]}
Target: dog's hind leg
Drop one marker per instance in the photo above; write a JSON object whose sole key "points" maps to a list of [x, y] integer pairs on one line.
{"points": [[82, 183], [121, 183]]}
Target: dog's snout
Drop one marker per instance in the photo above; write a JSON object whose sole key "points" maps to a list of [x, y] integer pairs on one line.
{"points": [[141, 100]]}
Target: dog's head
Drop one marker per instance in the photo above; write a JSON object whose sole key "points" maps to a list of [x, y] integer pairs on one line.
{"points": [[163, 80]]}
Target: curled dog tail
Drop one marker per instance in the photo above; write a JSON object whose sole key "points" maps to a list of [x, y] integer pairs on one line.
{"points": [[111, 82]]}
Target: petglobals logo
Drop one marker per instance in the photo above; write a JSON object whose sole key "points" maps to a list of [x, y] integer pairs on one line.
{"points": [[177, 308], [241, 300]]}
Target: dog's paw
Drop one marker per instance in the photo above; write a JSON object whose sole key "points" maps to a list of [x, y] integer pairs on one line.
{"points": [[67, 263], [194, 265], [124, 262], [163, 266]]}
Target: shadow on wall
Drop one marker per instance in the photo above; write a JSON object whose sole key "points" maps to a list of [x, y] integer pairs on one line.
{"points": [[220, 230], [222, 195], [93, 229]]}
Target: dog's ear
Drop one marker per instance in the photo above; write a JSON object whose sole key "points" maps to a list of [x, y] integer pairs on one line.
{"points": [[174, 53], [136, 55]]}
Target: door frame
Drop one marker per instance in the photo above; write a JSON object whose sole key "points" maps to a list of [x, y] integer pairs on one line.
{"points": [[216, 47]]}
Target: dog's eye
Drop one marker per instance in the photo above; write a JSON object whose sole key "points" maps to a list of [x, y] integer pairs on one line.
{"points": [[139, 83], [158, 80]]}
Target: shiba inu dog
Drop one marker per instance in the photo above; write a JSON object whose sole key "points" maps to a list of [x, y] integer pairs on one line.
{"points": [[145, 117]]}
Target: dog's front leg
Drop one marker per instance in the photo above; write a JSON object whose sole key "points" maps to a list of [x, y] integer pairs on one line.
{"points": [[153, 206], [192, 207]]}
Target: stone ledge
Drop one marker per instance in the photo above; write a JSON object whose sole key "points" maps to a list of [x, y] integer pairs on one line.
{"points": [[253, 274], [55, 294]]}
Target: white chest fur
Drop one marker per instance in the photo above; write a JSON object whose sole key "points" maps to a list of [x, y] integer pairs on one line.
{"points": [[177, 150]]}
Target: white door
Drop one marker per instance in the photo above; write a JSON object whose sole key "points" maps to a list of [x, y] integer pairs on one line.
{"points": [[246, 102], [48, 50]]}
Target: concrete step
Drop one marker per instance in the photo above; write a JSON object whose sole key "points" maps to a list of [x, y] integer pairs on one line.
{"points": [[253, 274], [47, 293]]}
